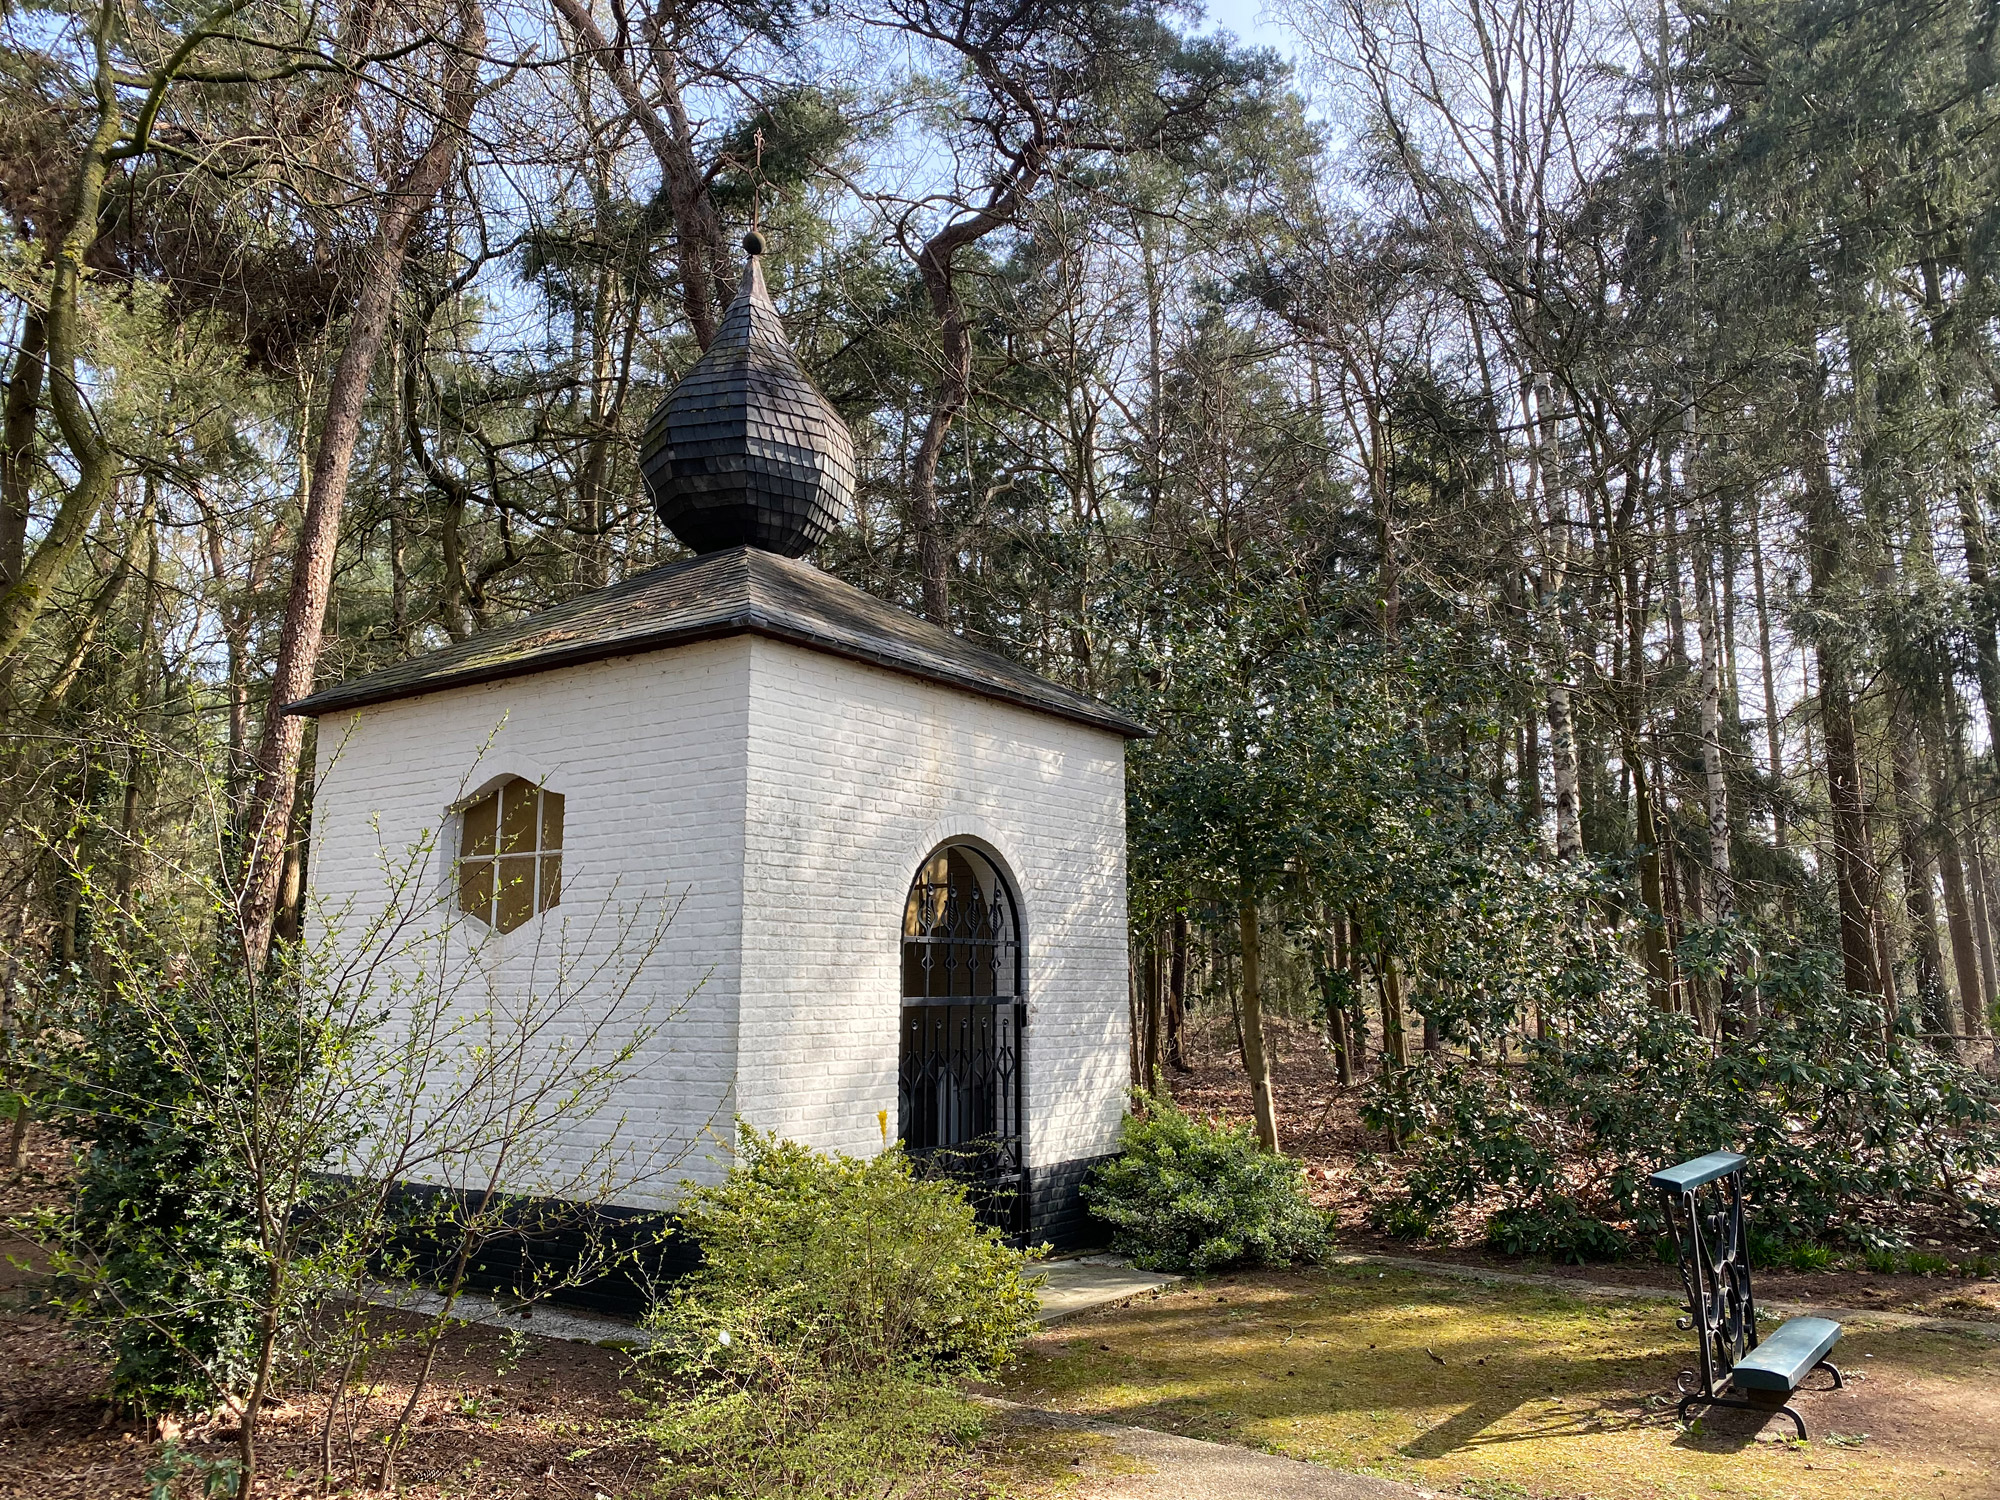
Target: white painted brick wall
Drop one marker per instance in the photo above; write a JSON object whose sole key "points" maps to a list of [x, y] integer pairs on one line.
{"points": [[856, 774], [781, 800]]}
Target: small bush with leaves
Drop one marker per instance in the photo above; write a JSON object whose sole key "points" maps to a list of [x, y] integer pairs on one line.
{"points": [[815, 1351], [1555, 1228], [158, 1251], [1191, 1195]]}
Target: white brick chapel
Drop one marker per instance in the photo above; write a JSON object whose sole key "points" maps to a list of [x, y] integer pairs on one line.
{"points": [[895, 862]]}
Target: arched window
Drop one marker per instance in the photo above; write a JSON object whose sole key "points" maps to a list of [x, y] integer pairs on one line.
{"points": [[960, 1076], [510, 853]]}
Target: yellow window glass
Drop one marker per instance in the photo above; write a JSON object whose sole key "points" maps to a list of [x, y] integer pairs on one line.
{"points": [[510, 854]]}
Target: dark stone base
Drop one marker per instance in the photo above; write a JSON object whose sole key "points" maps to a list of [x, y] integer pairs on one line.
{"points": [[1056, 1215], [613, 1260], [601, 1258]]}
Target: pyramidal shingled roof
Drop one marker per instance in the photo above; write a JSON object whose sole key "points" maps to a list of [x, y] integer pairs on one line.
{"points": [[743, 591]]}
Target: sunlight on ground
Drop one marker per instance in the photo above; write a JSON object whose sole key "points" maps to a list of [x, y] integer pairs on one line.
{"points": [[1514, 1391]]}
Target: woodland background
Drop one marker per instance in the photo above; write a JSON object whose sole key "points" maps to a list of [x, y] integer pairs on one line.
{"points": [[1531, 460]]}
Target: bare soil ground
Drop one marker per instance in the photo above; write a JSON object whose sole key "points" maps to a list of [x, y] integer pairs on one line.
{"points": [[545, 1421], [1321, 1125], [505, 1415]]}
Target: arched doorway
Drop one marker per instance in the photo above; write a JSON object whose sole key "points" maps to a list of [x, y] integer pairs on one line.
{"points": [[959, 1075]]}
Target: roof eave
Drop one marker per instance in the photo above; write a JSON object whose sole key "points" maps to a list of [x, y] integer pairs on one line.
{"points": [[746, 622]]}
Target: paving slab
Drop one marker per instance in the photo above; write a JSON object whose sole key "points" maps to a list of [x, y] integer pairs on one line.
{"points": [[1079, 1283], [542, 1319], [1075, 1284], [1166, 1466]]}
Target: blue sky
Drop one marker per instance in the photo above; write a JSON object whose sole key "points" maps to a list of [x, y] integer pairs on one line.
{"points": [[1252, 21]]}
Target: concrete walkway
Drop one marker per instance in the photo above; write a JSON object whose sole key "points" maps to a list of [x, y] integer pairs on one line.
{"points": [[544, 1320], [1079, 1283], [1075, 1284], [1162, 1466]]}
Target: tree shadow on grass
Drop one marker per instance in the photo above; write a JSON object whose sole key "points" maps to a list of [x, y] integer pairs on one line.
{"points": [[1469, 1428]]}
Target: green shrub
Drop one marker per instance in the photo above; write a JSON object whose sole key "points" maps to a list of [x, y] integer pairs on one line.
{"points": [[1191, 1195], [1882, 1262], [815, 1351], [1555, 1228], [157, 1252], [1401, 1219], [1923, 1263], [1614, 1088], [1809, 1257]]}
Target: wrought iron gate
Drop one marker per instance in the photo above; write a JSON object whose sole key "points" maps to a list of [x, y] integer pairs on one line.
{"points": [[960, 1075]]}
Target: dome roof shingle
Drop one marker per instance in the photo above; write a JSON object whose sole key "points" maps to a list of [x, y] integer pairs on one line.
{"points": [[745, 451]]}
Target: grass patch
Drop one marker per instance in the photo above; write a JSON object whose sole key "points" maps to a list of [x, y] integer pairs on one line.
{"points": [[1511, 1391]]}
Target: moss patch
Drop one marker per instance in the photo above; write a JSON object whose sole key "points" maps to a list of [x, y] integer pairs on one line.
{"points": [[1513, 1391]]}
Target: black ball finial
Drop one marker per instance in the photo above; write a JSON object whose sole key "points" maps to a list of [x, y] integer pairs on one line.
{"points": [[753, 243]]}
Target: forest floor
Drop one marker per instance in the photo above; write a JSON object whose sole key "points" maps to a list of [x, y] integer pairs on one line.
{"points": [[1486, 1390], [506, 1415], [1320, 1124]]}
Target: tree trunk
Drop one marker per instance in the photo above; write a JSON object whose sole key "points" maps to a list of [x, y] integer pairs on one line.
{"points": [[701, 256], [17, 442], [1715, 787], [1985, 614], [95, 462], [1395, 1040], [1135, 1006], [1772, 737], [926, 516], [1958, 912], [1255, 1061], [1919, 873], [1155, 1019], [1853, 849], [269, 816], [1562, 758], [1982, 902], [1339, 1006], [1357, 1036], [1176, 1017]]}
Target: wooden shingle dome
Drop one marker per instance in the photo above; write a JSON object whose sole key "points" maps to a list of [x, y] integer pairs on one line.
{"points": [[745, 451]]}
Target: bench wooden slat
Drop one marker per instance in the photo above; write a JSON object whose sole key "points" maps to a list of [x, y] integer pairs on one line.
{"points": [[1690, 1175], [1781, 1361]]}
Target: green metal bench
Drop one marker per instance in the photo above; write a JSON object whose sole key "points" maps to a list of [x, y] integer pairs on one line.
{"points": [[1703, 1201]]}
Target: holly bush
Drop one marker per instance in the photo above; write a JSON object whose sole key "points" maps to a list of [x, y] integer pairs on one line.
{"points": [[1185, 1194]]}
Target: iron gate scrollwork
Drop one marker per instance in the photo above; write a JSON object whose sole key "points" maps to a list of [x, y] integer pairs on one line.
{"points": [[960, 1075]]}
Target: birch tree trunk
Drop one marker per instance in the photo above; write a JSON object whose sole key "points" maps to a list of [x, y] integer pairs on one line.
{"points": [[1557, 657], [1773, 738], [1256, 1061]]}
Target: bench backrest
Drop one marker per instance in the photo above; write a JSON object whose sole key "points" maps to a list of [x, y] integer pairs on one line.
{"points": [[1703, 1203]]}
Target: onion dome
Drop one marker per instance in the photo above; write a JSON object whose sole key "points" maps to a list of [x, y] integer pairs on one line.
{"points": [[745, 451]]}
